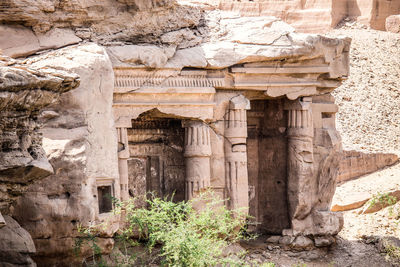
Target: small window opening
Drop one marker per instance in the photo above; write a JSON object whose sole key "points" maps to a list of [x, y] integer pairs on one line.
{"points": [[104, 194]]}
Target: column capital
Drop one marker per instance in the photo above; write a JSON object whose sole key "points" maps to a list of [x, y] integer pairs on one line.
{"points": [[197, 139], [239, 102], [300, 120], [236, 120]]}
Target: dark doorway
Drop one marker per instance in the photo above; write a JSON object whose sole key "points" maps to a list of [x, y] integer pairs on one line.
{"points": [[267, 165], [157, 163], [104, 194]]}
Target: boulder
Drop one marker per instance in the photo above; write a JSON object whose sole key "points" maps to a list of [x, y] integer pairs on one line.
{"points": [[302, 243], [393, 24], [16, 245], [323, 241], [148, 55]]}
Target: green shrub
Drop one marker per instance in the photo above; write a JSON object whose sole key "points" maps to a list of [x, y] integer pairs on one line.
{"points": [[188, 237], [382, 199]]}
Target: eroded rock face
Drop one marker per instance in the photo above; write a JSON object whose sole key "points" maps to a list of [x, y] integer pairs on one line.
{"points": [[24, 91], [312, 16], [80, 142], [56, 23]]}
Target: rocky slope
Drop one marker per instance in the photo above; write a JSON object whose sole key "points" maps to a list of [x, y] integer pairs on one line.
{"points": [[369, 110]]}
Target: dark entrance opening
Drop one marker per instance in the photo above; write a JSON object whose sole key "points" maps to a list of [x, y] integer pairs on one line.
{"points": [[156, 164], [104, 194], [267, 165]]}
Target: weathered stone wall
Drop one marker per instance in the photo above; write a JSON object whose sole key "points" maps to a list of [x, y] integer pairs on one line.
{"points": [[373, 12], [52, 24], [202, 68]]}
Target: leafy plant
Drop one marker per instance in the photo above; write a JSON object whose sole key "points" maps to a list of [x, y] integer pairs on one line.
{"points": [[187, 236], [381, 199], [89, 237]]}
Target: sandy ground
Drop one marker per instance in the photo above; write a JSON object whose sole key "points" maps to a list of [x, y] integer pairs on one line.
{"points": [[357, 242], [383, 181]]}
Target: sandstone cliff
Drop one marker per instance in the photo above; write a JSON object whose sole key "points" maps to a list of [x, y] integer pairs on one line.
{"points": [[24, 91], [80, 141], [313, 16]]}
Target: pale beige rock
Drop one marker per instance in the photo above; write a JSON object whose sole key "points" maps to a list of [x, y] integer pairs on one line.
{"points": [[147, 55], [373, 12], [315, 16], [22, 41], [393, 24], [24, 91], [56, 38], [106, 21], [189, 57]]}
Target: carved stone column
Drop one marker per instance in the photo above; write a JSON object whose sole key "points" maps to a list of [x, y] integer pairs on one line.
{"points": [[123, 156], [300, 158], [236, 175], [197, 157]]}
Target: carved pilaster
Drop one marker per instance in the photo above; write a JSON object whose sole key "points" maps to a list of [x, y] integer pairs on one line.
{"points": [[236, 175], [300, 158], [123, 156], [197, 157]]}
